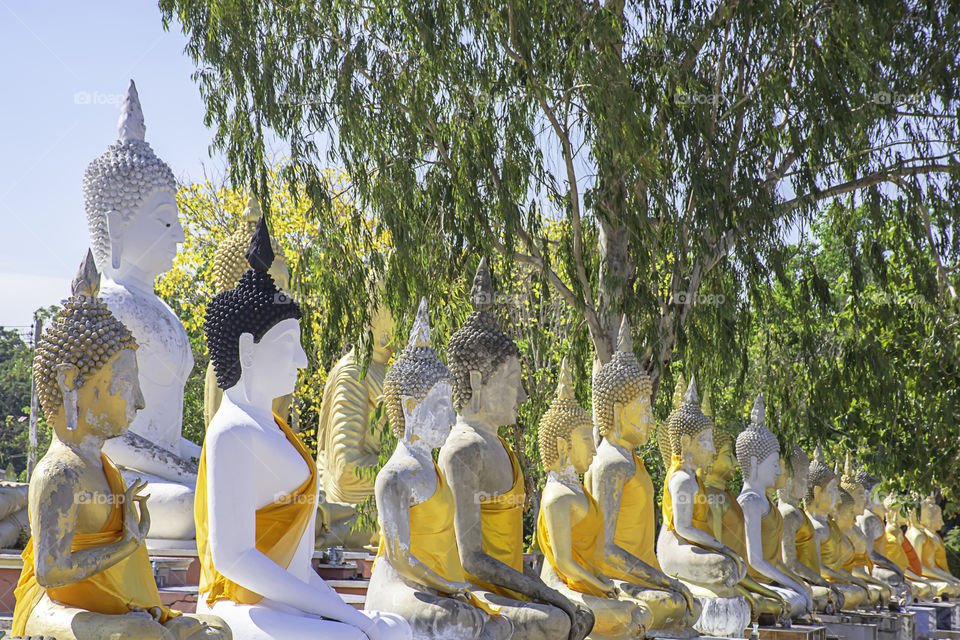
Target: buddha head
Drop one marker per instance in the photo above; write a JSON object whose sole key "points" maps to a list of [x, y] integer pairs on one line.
{"points": [[663, 433], [849, 483], [621, 395], [795, 485], [758, 450], [130, 199], [484, 362], [724, 462], [229, 260], [85, 366], [869, 483], [253, 331], [417, 391], [846, 510], [931, 516], [691, 432], [566, 430], [893, 510], [822, 485]]}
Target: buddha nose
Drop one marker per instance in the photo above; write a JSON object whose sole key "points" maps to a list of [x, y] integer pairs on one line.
{"points": [[521, 395]]}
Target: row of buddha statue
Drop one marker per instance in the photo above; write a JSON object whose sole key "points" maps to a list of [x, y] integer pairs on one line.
{"points": [[450, 562]]}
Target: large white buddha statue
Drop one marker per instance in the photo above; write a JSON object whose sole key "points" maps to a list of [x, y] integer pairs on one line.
{"points": [[257, 482], [130, 198]]}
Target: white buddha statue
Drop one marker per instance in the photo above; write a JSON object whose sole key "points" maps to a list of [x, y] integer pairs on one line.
{"points": [[257, 482], [130, 198]]}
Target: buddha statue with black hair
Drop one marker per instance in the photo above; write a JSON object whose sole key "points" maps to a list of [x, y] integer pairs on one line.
{"points": [[619, 482], [688, 547], [417, 573], [486, 478], [257, 481], [86, 573]]}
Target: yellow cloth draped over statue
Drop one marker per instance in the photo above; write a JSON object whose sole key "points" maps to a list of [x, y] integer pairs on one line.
{"points": [[859, 560], [771, 533], [701, 503], [433, 540], [501, 518], [807, 544], [832, 548], [113, 591], [635, 530], [587, 541], [280, 526], [939, 552]]}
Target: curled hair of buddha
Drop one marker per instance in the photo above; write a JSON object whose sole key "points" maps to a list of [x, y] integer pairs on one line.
{"points": [[229, 260], [563, 417], [663, 433], [254, 306], [756, 442], [848, 481], [721, 439], [621, 380], [866, 479], [415, 371], [799, 459], [478, 345], [85, 334], [846, 500], [820, 473], [687, 419]]}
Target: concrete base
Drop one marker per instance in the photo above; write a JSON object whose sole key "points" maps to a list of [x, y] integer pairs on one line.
{"points": [[842, 627], [890, 625], [795, 632]]}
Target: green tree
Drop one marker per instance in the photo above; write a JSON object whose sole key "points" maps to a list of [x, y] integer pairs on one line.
{"points": [[16, 360]]}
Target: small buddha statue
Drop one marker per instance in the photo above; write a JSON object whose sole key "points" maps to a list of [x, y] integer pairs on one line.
{"points": [[417, 573], [819, 504], [619, 482], [86, 573], [895, 546], [870, 522], [851, 554], [130, 199], [487, 480], [758, 453], [229, 263], [257, 482], [687, 547], [861, 563], [798, 547], [345, 443], [922, 534], [570, 525]]}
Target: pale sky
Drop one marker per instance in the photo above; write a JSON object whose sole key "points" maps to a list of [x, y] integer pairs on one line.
{"points": [[66, 66]]}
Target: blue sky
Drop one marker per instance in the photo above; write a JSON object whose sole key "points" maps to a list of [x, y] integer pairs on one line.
{"points": [[66, 68]]}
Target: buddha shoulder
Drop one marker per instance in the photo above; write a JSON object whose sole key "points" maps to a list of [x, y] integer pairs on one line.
{"points": [[557, 495], [613, 460]]}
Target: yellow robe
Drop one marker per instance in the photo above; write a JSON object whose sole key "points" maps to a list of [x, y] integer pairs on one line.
{"points": [[587, 540], [279, 527], [113, 591], [939, 550], [501, 518], [807, 544], [701, 504], [635, 530], [433, 540], [771, 533]]}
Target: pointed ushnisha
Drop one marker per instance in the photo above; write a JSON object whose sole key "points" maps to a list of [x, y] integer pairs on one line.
{"points": [[252, 213], [564, 381], [755, 443], [686, 420], [87, 281], [481, 294], [420, 333], [562, 417], [131, 125], [691, 394], [260, 253], [678, 391], [625, 338], [758, 414]]}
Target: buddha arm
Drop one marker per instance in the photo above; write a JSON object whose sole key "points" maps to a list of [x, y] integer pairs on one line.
{"points": [[232, 534], [348, 428], [136, 452], [753, 504], [393, 497], [558, 517], [684, 488], [54, 506], [792, 520]]}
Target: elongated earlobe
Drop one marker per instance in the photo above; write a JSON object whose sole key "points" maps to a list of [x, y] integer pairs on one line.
{"points": [[67, 381], [115, 233]]}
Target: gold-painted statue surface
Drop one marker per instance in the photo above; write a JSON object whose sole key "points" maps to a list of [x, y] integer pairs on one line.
{"points": [[922, 534], [86, 573]]}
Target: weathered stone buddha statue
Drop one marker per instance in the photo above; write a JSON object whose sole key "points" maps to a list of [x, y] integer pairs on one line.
{"points": [[798, 546], [851, 554], [619, 482], [229, 263], [895, 546], [686, 546], [257, 482], [346, 445], [922, 534], [14, 520], [130, 199], [486, 477], [86, 573], [819, 504], [570, 524], [417, 573], [870, 522], [758, 453]]}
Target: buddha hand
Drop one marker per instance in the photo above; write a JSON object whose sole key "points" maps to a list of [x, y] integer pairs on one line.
{"points": [[459, 590], [155, 612], [135, 527], [681, 588]]}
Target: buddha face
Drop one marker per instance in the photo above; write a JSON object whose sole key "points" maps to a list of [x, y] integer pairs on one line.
{"points": [[699, 447], [845, 515], [148, 240], [825, 498], [580, 449], [429, 420], [781, 480], [766, 471], [381, 324], [634, 420], [797, 482], [931, 516], [271, 365], [724, 464], [500, 398], [110, 398]]}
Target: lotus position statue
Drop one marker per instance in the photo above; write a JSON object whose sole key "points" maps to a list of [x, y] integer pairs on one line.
{"points": [[623, 489], [922, 534], [870, 522], [417, 573], [686, 546], [229, 263], [895, 546], [487, 480], [846, 515], [758, 453], [570, 523], [344, 440], [257, 482], [86, 573], [798, 545], [130, 198], [821, 499]]}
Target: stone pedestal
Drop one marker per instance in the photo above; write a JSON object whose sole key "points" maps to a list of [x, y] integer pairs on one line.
{"points": [[795, 632], [890, 625], [723, 616]]}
